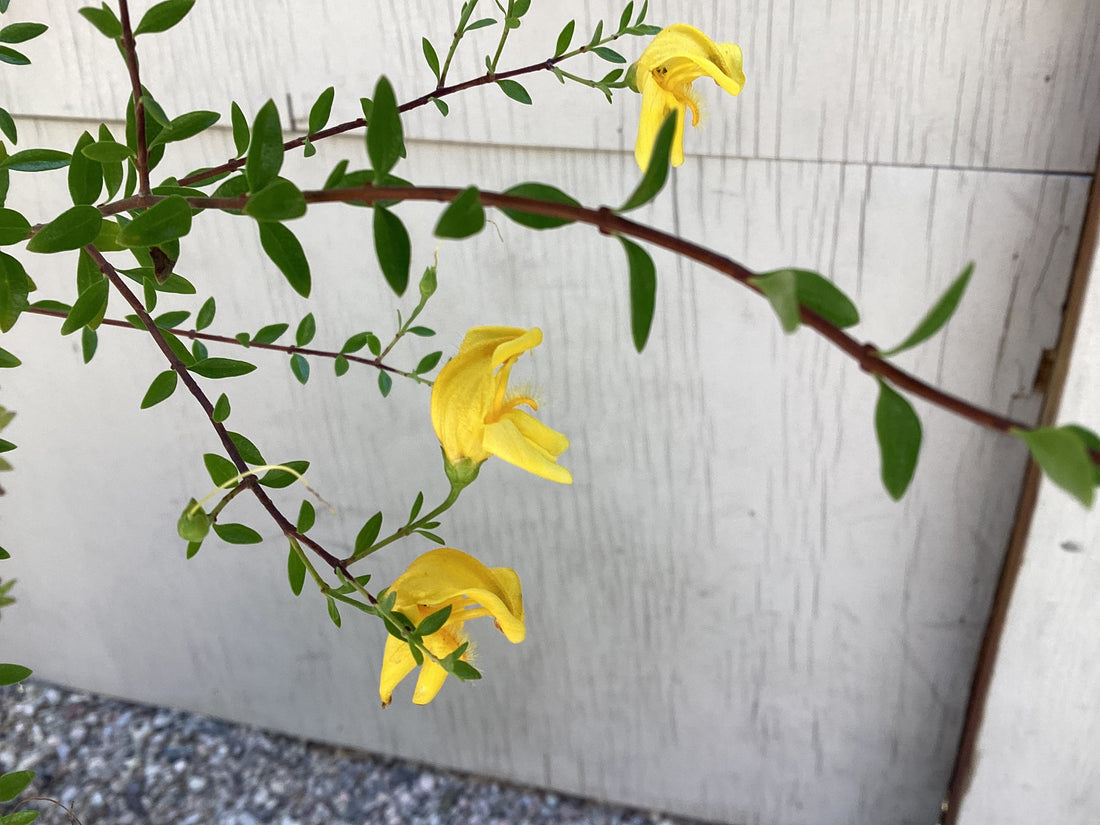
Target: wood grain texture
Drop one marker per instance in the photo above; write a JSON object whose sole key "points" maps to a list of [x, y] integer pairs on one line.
{"points": [[728, 618], [990, 84]]}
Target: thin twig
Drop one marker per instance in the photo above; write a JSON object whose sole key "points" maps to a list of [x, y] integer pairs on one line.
{"points": [[129, 48]]}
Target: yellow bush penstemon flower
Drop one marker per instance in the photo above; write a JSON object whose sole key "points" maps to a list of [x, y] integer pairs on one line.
{"points": [[678, 56], [439, 578], [475, 417]]}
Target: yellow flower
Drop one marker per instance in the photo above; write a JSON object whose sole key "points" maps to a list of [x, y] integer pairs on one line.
{"points": [[678, 56], [475, 417], [438, 578]]}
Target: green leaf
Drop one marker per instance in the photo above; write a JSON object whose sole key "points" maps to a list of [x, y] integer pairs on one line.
{"points": [[821, 296], [307, 517], [300, 367], [13, 227], [107, 151], [10, 674], [163, 16], [428, 362], [193, 548], [186, 126], [277, 479], [270, 334], [340, 365], [643, 292], [112, 172], [464, 217], [539, 191], [221, 409], [1063, 456], [206, 314], [565, 38], [355, 342], [394, 250], [333, 613], [1092, 442], [19, 818], [7, 126], [624, 18], [90, 306], [295, 572], [240, 129], [164, 221], [423, 332], [89, 340], [162, 387], [12, 784], [7, 360], [321, 109], [368, 533], [385, 383], [939, 314], [899, 438], [430, 56], [385, 139], [103, 19], [515, 91], [72, 229], [481, 24], [247, 449], [15, 286], [85, 176], [307, 328], [430, 624], [265, 153], [194, 523], [610, 55], [781, 290], [220, 468], [171, 320], [280, 200], [465, 671], [233, 533], [657, 173], [444, 109], [221, 368], [12, 57]]}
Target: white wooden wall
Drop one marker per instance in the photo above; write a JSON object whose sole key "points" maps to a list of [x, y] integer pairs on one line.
{"points": [[728, 618]]}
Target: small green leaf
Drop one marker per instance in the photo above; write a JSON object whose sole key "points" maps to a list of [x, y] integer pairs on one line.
{"points": [[72, 229], [265, 153], [171, 320], [277, 479], [19, 818], [898, 430], [430, 56], [221, 368], [164, 221], [193, 548], [220, 468], [385, 139], [321, 109], [7, 360], [280, 200], [221, 409], [103, 19], [1092, 442], [35, 160], [233, 533], [112, 172], [10, 674], [341, 365], [821, 296], [107, 151], [393, 247], [7, 126], [423, 332], [444, 109], [430, 624], [465, 671], [464, 217], [368, 533], [385, 383], [12, 57], [206, 314], [270, 334], [163, 16], [240, 129], [624, 18], [610, 55], [295, 572], [89, 341], [515, 91], [481, 24], [186, 126], [307, 328], [85, 176], [643, 292], [431, 537], [300, 367], [13, 227], [428, 362], [543, 192], [246, 448], [565, 38], [194, 523], [307, 516], [657, 172], [939, 314], [333, 613], [12, 784], [781, 290], [15, 286], [1063, 456], [162, 388], [90, 306]]}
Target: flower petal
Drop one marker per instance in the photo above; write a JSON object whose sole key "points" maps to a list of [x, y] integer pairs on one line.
{"points": [[656, 106], [397, 663], [506, 440]]}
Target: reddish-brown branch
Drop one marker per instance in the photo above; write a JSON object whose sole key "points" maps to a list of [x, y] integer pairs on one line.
{"points": [[129, 48]]}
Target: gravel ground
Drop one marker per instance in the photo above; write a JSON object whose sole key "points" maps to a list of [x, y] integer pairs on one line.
{"points": [[119, 763]]}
